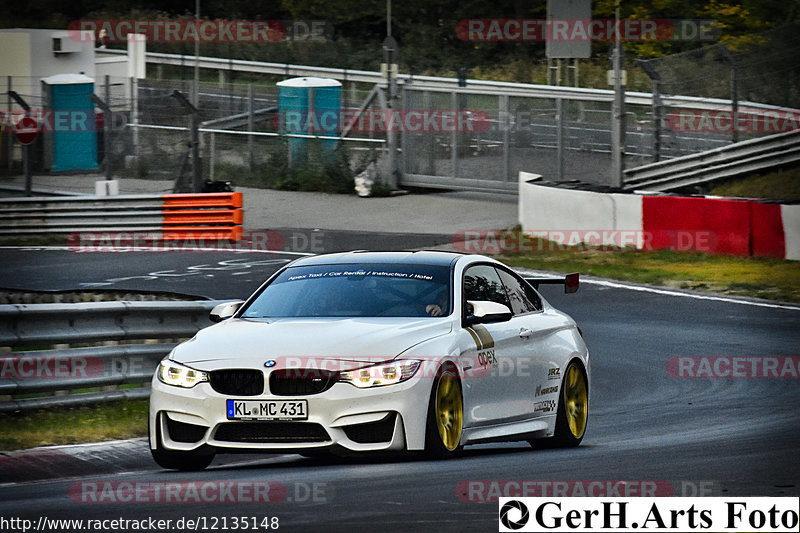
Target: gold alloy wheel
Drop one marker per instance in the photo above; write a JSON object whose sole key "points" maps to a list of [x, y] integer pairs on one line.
{"points": [[449, 411], [576, 401]]}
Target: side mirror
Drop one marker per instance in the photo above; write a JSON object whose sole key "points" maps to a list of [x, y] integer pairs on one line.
{"points": [[224, 310], [484, 312]]}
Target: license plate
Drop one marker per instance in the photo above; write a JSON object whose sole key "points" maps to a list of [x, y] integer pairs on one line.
{"points": [[267, 410]]}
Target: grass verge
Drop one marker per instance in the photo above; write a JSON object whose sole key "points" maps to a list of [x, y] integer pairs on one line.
{"points": [[772, 279], [73, 425], [784, 185]]}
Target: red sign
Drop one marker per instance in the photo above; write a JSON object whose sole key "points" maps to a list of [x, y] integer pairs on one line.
{"points": [[27, 130]]}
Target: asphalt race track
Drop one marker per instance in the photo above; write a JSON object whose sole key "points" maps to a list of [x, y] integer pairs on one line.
{"points": [[217, 274], [712, 436]]}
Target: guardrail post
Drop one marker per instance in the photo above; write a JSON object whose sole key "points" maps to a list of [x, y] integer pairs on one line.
{"points": [[197, 179], [250, 126], [404, 137], [618, 118], [197, 184], [454, 135], [734, 91], [135, 117], [8, 146], [658, 110], [429, 140], [657, 106], [391, 142], [26, 148], [108, 120], [505, 111], [212, 146], [560, 138], [107, 125]]}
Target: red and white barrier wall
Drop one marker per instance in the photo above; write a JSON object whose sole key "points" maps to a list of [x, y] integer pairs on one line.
{"points": [[713, 225]]}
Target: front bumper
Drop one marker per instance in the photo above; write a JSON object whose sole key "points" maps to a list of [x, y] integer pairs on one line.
{"points": [[387, 418]]}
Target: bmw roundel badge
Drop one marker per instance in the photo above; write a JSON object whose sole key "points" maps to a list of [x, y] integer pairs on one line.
{"points": [[270, 363]]}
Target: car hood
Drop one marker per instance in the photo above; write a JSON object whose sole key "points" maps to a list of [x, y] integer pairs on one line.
{"points": [[306, 342]]}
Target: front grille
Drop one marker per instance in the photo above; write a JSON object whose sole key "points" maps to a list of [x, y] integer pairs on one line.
{"points": [[271, 432], [372, 432], [183, 432], [300, 381], [238, 381]]}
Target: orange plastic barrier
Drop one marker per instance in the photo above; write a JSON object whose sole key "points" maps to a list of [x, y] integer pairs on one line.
{"points": [[233, 233], [201, 216], [196, 200], [210, 215]]}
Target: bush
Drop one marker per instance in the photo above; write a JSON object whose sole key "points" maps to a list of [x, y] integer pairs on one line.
{"points": [[323, 170]]}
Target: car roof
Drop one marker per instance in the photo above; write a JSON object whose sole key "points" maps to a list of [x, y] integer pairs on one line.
{"points": [[425, 257]]}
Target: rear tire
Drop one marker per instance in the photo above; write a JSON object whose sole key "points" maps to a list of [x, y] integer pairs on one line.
{"points": [[180, 460], [445, 416], [573, 410]]}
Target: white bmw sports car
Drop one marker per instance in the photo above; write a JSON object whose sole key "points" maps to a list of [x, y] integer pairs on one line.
{"points": [[375, 351]]}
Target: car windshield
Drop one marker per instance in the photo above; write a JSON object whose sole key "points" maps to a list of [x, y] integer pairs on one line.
{"points": [[363, 290]]}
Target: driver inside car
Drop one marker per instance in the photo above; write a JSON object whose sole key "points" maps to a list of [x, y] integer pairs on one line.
{"points": [[440, 304]]}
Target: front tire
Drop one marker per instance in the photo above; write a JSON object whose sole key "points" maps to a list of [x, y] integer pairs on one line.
{"points": [[180, 460], [445, 416], [573, 410]]}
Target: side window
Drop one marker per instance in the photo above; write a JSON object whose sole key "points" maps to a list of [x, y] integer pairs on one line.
{"points": [[523, 298], [481, 282]]}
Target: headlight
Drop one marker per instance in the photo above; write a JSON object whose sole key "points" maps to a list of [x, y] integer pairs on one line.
{"points": [[379, 375], [172, 373]]}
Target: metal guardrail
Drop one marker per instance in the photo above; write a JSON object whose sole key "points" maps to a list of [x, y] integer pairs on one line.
{"points": [[31, 371], [20, 190], [721, 163], [258, 133], [492, 87], [216, 215]]}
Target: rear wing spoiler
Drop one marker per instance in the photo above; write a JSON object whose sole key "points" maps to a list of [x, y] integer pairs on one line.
{"points": [[571, 282]]}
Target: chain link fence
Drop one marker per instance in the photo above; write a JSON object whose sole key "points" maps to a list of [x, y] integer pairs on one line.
{"points": [[561, 139], [763, 68], [239, 130], [513, 130]]}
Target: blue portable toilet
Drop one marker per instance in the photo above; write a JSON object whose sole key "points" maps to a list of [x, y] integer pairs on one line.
{"points": [[309, 105], [74, 133]]}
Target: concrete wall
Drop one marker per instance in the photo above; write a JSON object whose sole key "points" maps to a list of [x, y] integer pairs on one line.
{"points": [[790, 215], [654, 222], [581, 213], [117, 69], [28, 54], [16, 57]]}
